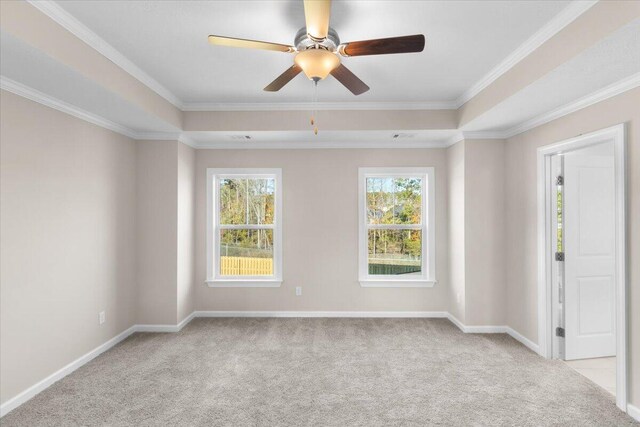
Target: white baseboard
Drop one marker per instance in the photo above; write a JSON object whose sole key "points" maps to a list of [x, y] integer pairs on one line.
{"points": [[40, 386], [18, 400], [157, 328], [486, 329], [633, 411], [453, 319], [166, 328], [338, 314], [523, 340], [186, 320], [476, 329]]}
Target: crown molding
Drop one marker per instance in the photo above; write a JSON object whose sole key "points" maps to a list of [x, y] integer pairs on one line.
{"points": [[610, 91], [158, 136], [459, 136], [603, 94], [553, 27], [317, 106], [607, 92], [470, 135], [166, 136], [49, 101], [311, 145], [483, 134], [78, 29], [187, 141]]}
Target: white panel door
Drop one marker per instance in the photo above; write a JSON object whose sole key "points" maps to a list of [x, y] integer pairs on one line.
{"points": [[589, 206]]}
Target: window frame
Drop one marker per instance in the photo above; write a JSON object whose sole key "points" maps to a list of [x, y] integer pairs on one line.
{"points": [[214, 279], [428, 277]]}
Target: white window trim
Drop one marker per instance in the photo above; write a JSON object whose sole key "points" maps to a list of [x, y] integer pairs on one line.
{"points": [[214, 279], [428, 278]]}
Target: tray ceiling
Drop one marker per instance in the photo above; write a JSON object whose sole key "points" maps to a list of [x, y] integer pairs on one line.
{"points": [[168, 40]]}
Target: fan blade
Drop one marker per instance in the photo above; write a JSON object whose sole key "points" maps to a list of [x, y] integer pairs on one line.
{"points": [[317, 14], [283, 79], [403, 44], [251, 44], [349, 80]]}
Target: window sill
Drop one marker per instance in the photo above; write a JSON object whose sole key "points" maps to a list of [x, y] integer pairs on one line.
{"points": [[244, 283], [372, 283]]}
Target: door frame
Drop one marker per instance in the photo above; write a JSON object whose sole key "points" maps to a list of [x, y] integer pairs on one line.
{"points": [[545, 251]]}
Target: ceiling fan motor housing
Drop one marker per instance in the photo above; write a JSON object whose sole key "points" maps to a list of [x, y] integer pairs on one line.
{"points": [[317, 57], [303, 41]]}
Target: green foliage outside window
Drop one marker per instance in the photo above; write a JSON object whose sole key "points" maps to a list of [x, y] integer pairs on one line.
{"points": [[394, 201], [247, 202]]}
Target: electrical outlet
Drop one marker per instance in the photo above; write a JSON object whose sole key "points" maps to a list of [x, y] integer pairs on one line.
{"points": [[298, 291], [102, 317]]}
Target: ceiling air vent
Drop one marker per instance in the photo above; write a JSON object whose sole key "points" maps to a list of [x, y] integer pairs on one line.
{"points": [[403, 135], [240, 137]]}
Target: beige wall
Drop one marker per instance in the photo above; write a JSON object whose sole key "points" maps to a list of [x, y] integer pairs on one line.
{"points": [[456, 199], [332, 120], [186, 230], [521, 259], [477, 293], [165, 243], [67, 240], [485, 234], [157, 217], [320, 203]]}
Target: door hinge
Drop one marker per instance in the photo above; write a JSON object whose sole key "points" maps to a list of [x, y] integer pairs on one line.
{"points": [[560, 180], [559, 256], [560, 332]]}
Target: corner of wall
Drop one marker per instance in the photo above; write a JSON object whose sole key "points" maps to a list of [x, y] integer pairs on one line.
{"points": [[157, 220], [185, 286], [476, 204], [485, 234], [456, 226]]}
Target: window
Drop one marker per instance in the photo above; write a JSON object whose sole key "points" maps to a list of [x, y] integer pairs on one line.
{"points": [[244, 234], [397, 239]]}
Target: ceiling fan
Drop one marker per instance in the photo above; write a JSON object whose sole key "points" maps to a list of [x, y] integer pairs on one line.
{"points": [[317, 49]]}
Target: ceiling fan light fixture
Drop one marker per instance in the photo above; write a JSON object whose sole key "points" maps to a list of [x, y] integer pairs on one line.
{"points": [[317, 63], [317, 49]]}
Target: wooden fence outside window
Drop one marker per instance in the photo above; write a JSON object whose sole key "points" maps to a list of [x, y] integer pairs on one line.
{"points": [[245, 266]]}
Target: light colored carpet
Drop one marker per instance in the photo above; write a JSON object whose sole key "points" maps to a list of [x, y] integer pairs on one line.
{"points": [[321, 372]]}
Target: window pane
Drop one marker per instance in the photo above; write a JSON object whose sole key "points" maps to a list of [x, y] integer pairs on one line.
{"points": [[380, 200], [246, 252], [394, 200], [233, 201], [261, 201], [247, 201], [395, 252], [408, 200]]}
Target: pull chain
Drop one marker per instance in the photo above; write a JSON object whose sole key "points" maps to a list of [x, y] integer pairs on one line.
{"points": [[314, 112]]}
